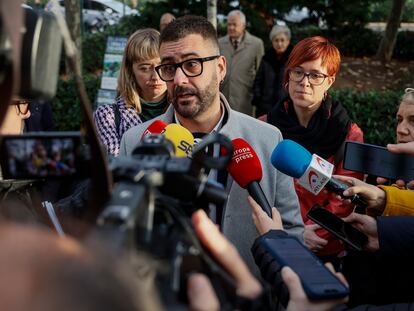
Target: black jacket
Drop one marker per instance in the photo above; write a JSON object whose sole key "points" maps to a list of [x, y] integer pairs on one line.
{"points": [[268, 85]]}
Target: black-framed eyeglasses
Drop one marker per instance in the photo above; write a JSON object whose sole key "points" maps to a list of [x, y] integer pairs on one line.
{"points": [[314, 78], [191, 67], [22, 106]]}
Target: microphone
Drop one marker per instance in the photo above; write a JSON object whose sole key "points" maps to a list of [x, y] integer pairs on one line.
{"points": [[181, 138], [313, 172], [246, 170], [156, 127]]}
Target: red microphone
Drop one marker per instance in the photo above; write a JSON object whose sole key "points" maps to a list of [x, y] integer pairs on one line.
{"points": [[156, 127], [246, 170]]}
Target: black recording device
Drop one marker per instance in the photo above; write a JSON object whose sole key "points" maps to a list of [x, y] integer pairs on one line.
{"points": [[42, 155], [41, 52], [340, 229], [274, 251], [150, 210], [378, 161], [154, 194]]}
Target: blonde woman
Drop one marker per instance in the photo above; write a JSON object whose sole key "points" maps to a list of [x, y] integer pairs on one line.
{"points": [[141, 93]]}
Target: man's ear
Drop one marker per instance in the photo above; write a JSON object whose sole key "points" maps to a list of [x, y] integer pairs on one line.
{"points": [[25, 115], [222, 67]]}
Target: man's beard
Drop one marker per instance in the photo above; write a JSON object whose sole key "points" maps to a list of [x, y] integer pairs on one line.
{"points": [[190, 109]]}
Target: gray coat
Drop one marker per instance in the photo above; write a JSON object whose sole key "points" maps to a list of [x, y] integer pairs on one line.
{"points": [[242, 65], [237, 224]]}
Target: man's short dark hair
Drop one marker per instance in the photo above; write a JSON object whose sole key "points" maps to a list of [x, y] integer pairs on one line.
{"points": [[189, 25]]}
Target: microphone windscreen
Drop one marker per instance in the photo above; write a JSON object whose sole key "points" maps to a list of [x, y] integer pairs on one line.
{"points": [[245, 165], [181, 138], [290, 158], [156, 127]]}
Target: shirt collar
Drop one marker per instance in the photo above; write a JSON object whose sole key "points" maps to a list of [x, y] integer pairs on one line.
{"points": [[219, 124]]}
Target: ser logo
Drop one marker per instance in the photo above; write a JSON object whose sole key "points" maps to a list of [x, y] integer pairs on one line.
{"points": [[185, 146]]}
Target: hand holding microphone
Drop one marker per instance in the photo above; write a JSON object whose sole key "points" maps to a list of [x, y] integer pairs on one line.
{"points": [[246, 170], [262, 221], [313, 172]]}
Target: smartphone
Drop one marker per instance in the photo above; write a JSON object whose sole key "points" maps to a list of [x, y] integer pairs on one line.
{"points": [[318, 282], [378, 161], [40, 155], [340, 229]]}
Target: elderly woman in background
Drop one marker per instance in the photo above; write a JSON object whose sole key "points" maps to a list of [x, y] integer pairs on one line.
{"points": [[141, 93], [405, 117], [312, 118], [268, 84]]}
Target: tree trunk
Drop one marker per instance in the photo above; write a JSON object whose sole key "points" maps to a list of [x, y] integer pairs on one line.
{"points": [[212, 12], [73, 19], [387, 44]]}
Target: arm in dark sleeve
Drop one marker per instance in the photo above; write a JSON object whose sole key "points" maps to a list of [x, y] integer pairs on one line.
{"points": [[258, 85], [396, 235], [391, 307], [269, 268], [47, 117]]}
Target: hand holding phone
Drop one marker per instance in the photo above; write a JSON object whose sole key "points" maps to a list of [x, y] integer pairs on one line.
{"points": [[318, 282], [378, 161], [335, 225]]}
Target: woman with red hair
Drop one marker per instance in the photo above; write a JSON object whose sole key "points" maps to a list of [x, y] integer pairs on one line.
{"points": [[312, 118]]}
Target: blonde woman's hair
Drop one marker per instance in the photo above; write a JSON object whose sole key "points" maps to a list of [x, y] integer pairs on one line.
{"points": [[142, 45], [408, 97]]}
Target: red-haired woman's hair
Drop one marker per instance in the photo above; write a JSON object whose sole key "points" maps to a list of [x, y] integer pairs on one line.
{"points": [[310, 49]]}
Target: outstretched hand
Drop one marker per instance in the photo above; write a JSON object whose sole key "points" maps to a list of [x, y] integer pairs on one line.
{"points": [[200, 291], [407, 148], [314, 242], [262, 221], [374, 196], [298, 299], [367, 225]]}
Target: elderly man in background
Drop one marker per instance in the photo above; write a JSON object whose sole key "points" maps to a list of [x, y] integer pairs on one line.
{"points": [[165, 19], [243, 52]]}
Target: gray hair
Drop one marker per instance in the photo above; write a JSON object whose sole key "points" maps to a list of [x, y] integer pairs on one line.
{"points": [[277, 29], [238, 13], [408, 96]]}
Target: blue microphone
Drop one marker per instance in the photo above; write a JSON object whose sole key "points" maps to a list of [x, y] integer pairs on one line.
{"points": [[313, 172], [291, 158]]}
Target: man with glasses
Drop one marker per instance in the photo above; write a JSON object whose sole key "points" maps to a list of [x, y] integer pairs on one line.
{"points": [[244, 53], [193, 69]]}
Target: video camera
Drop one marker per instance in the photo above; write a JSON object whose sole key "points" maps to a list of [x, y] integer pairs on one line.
{"points": [[155, 192]]}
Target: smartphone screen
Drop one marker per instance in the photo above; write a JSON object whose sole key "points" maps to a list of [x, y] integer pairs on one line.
{"points": [[39, 155], [378, 161], [317, 281], [335, 225]]}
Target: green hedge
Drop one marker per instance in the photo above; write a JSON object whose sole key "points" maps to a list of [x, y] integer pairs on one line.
{"points": [[373, 111], [66, 105]]}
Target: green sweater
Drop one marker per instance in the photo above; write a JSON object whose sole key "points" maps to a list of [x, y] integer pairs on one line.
{"points": [[151, 110]]}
